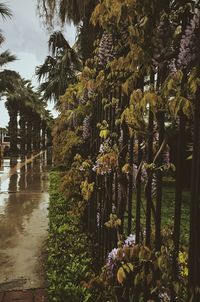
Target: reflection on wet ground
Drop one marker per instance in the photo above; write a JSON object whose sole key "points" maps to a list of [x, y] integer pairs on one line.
{"points": [[23, 222]]}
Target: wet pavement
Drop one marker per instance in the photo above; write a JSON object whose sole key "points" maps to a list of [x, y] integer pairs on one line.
{"points": [[23, 222]]}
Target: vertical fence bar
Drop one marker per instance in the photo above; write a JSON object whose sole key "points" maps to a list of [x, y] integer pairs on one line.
{"points": [[130, 186], [179, 182], [194, 246], [159, 180], [138, 190], [149, 178]]}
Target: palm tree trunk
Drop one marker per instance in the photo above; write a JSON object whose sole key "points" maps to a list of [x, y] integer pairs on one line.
{"points": [[29, 133], [22, 124], [13, 128], [44, 134], [36, 133]]}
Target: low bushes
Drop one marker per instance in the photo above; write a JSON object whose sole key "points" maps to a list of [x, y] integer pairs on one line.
{"points": [[131, 272], [69, 258]]}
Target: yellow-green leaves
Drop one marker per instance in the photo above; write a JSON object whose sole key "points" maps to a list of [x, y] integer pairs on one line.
{"points": [[104, 133], [136, 96], [193, 81], [179, 103], [150, 99], [126, 169], [172, 84], [87, 189], [133, 114], [123, 271], [121, 275], [114, 222]]}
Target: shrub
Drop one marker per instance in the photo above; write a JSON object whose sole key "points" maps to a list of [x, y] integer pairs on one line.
{"points": [[69, 258]]}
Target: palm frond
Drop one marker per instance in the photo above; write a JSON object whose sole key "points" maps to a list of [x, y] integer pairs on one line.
{"points": [[2, 39], [6, 57], [43, 70], [8, 80], [5, 12], [57, 41]]}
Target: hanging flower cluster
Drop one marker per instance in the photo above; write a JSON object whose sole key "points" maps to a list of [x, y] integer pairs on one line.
{"points": [[86, 127], [137, 270], [186, 52], [106, 51], [107, 160]]}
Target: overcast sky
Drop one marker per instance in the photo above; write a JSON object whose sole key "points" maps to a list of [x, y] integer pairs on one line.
{"points": [[27, 38]]}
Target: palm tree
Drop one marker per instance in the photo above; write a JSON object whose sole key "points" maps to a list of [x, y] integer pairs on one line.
{"points": [[24, 102], [66, 10], [76, 11], [14, 98], [31, 109], [5, 12], [6, 77], [6, 57], [8, 80], [46, 124], [59, 69]]}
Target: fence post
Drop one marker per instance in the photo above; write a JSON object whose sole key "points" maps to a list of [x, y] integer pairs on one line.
{"points": [[194, 246]]}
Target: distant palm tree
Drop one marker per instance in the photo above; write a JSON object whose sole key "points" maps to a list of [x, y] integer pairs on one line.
{"points": [[5, 12], [6, 57], [25, 103], [6, 77], [59, 69]]}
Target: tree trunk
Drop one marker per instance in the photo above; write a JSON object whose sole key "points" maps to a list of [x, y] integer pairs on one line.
{"points": [[29, 133], [43, 135], [13, 128], [22, 124], [36, 132]]}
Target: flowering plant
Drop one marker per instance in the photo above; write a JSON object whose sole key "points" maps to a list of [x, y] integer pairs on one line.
{"points": [[133, 271], [107, 160]]}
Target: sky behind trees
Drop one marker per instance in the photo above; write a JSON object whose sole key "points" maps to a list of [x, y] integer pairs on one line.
{"points": [[26, 37]]}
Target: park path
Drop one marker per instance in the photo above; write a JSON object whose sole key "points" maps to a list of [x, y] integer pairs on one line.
{"points": [[23, 228]]}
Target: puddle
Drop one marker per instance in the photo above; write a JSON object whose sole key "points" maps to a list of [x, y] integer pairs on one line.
{"points": [[23, 224]]}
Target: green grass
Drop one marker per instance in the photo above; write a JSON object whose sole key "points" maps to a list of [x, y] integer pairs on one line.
{"points": [[168, 208]]}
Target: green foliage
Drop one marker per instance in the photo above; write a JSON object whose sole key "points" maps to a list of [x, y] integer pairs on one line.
{"points": [[66, 145], [137, 272], [114, 222], [132, 92], [87, 189], [69, 259]]}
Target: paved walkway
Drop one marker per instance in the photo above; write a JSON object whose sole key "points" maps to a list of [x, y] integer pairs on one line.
{"points": [[23, 222], [30, 295]]}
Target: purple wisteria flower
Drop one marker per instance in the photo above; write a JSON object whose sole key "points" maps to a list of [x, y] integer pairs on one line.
{"points": [[186, 54], [130, 240], [106, 49]]}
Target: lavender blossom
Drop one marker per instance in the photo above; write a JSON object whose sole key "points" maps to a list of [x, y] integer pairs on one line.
{"points": [[86, 127], [106, 49], [130, 240], [187, 43]]}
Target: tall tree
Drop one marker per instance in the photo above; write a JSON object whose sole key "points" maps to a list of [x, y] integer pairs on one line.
{"points": [[6, 76], [76, 11], [59, 69]]}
